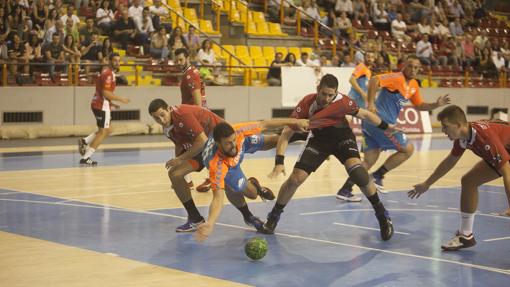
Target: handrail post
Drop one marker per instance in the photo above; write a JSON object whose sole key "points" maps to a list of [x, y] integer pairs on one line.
{"points": [[230, 9], [76, 74], [137, 76], [218, 11], [316, 33], [69, 74], [247, 19], [298, 21], [466, 77], [202, 9], [4, 74], [230, 69], [334, 44], [429, 77], [265, 6], [281, 12]]}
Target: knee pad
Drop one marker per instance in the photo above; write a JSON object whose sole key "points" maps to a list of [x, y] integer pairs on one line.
{"points": [[359, 175]]}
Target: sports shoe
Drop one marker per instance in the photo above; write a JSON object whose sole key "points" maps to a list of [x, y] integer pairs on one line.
{"points": [[271, 222], [346, 194], [205, 186], [254, 221], [385, 225], [264, 192], [82, 146], [378, 181], [88, 161], [189, 226], [459, 241]]}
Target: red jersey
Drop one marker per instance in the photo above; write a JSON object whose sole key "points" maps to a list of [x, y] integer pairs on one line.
{"points": [[188, 122], [332, 115], [190, 82], [105, 82], [490, 140]]}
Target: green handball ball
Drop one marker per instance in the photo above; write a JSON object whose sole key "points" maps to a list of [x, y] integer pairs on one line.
{"points": [[256, 248]]}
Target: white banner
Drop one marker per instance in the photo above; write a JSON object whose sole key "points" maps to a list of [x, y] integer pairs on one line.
{"points": [[298, 82]]}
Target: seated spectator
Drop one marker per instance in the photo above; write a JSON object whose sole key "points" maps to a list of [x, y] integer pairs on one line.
{"points": [[193, 41], [324, 61], [380, 16], [16, 53], [486, 66], [456, 27], [91, 53], [452, 51], [347, 61], [106, 51], [305, 61], [210, 66], [40, 12], [274, 75], [70, 15], [53, 16], [499, 61], [399, 29], [455, 10], [344, 6], [135, 10], [205, 55], [469, 56], [290, 59], [440, 13], [54, 54], [360, 11], [441, 31], [312, 13], [158, 12], [57, 29], [71, 29], [144, 30], [481, 40], [425, 52], [424, 26], [344, 25], [33, 50], [176, 41], [86, 32], [125, 30], [105, 18], [71, 52], [159, 46]]}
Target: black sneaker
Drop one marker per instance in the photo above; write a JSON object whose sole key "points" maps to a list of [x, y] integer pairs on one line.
{"points": [[385, 225], [264, 192], [271, 222], [88, 161], [254, 221], [82, 146]]}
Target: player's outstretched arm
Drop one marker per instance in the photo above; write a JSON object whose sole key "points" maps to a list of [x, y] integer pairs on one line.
{"points": [[281, 147], [205, 229], [375, 120], [357, 88], [505, 172], [441, 101], [373, 86], [196, 148], [443, 168], [297, 124], [111, 97]]}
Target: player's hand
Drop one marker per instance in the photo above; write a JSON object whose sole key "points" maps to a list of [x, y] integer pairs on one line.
{"points": [[173, 162], [418, 190], [443, 100], [393, 129], [114, 106], [203, 231], [279, 168], [371, 107], [124, 100], [505, 213], [301, 125]]}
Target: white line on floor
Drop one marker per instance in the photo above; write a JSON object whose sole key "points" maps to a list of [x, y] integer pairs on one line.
{"points": [[496, 239], [364, 227]]}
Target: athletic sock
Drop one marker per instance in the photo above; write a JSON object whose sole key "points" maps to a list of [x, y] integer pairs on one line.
{"points": [[245, 211], [466, 223], [381, 171], [90, 138], [90, 151], [193, 213], [376, 204], [348, 184]]}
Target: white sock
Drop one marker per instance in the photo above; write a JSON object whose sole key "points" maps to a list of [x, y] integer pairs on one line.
{"points": [[90, 151], [466, 225], [187, 178], [90, 138]]}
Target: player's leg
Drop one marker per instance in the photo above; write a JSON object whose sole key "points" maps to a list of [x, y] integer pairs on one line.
{"points": [[309, 160], [183, 192], [481, 173], [103, 123], [237, 199]]}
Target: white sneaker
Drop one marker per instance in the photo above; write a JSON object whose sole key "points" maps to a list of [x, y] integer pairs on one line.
{"points": [[459, 241]]}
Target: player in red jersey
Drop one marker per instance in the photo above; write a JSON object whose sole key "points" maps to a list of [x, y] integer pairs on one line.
{"points": [[101, 107], [189, 126], [192, 93], [330, 135], [490, 140]]}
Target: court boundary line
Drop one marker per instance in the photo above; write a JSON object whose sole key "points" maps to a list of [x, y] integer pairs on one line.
{"points": [[365, 227], [475, 266]]}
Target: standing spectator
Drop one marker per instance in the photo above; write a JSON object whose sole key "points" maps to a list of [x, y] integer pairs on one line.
{"points": [[159, 46], [105, 17], [193, 41], [158, 12], [70, 14]]}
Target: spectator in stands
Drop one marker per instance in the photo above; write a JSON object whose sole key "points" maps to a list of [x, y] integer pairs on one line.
{"points": [[40, 13], [312, 12], [347, 61], [144, 30], [344, 25], [481, 40], [53, 16], [105, 17], [125, 30], [206, 57], [274, 75], [456, 27], [274, 10], [176, 41], [304, 61], [440, 13], [71, 52], [417, 11], [455, 10], [135, 10], [117, 15], [424, 26], [328, 5], [91, 52], [86, 32], [193, 41], [70, 14], [344, 6], [399, 28], [16, 19], [452, 50], [54, 54], [335, 60], [441, 31], [81, 3], [71, 29], [468, 47], [33, 50], [59, 6], [106, 51], [486, 66], [505, 52], [380, 16], [159, 46], [425, 52], [158, 11], [499, 61], [291, 59], [16, 53], [324, 61], [360, 11], [4, 25], [57, 29]]}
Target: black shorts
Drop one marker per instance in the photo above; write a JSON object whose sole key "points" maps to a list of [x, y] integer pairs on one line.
{"points": [[196, 162], [103, 118], [319, 146]]}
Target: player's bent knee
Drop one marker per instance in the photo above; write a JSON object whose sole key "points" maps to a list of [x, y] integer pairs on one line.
{"points": [[359, 175], [468, 181]]}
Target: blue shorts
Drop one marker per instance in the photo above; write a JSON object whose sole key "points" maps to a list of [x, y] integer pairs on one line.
{"points": [[235, 178], [376, 138]]}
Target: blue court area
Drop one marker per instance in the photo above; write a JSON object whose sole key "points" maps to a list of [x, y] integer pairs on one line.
{"points": [[320, 241]]}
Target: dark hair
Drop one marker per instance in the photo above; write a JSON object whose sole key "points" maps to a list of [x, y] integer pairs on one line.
{"points": [[203, 44], [222, 130], [112, 55], [181, 51], [329, 81], [412, 57], [452, 114], [157, 104], [304, 54]]}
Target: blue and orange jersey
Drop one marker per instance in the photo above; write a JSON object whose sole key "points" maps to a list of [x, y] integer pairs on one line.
{"points": [[396, 91], [218, 163], [362, 74]]}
